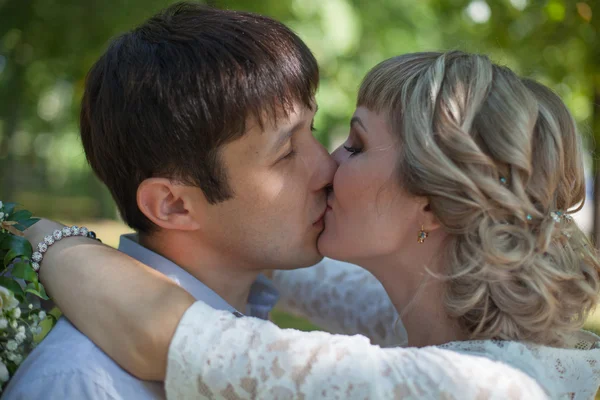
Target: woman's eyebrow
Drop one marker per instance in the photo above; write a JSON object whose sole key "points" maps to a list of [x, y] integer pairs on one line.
{"points": [[357, 120]]}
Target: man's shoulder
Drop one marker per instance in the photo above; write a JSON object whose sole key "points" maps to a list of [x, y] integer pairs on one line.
{"points": [[68, 363], [65, 349]]}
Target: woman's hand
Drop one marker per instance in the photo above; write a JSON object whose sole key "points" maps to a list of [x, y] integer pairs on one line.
{"points": [[128, 309]]}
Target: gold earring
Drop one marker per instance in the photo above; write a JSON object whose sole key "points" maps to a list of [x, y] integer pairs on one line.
{"points": [[422, 235]]}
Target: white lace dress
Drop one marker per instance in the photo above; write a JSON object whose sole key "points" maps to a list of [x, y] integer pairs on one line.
{"points": [[341, 298], [215, 355]]}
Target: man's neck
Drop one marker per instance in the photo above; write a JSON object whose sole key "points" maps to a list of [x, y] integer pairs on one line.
{"points": [[220, 274]]}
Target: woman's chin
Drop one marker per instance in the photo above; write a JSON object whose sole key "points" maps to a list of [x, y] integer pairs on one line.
{"points": [[329, 245]]}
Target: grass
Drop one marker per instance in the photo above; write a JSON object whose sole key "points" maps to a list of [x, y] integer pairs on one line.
{"points": [[593, 322], [285, 320]]}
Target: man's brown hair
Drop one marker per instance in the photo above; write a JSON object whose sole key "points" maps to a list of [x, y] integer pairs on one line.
{"points": [[164, 98]]}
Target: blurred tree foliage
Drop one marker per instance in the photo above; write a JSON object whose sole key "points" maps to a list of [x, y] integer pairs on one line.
{"points": [[47, 46]]}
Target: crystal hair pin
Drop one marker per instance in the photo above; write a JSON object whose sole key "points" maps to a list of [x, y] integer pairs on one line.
{"points": [[559, 216]]}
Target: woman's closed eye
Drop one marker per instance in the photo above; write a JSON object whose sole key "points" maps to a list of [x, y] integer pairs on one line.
{"points": [[353, 150]]}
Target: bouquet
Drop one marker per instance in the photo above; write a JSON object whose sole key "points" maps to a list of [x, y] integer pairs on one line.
{"points": [[20, 292]]}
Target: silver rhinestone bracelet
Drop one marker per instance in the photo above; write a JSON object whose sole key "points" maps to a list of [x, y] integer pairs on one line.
{"points": [[57, 235]]}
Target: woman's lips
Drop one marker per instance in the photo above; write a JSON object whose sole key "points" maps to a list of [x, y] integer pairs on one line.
{"points": [[329, 203]]}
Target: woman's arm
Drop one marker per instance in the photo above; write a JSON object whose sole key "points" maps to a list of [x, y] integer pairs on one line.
{"points": [[215, 355], [341, 298], [123, 306]]}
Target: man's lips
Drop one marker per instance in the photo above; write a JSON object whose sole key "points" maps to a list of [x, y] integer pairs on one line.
{"points": [[321, 216]]}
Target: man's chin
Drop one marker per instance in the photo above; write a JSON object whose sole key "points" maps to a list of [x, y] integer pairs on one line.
{"points": [[316, 260], [304, 261]]}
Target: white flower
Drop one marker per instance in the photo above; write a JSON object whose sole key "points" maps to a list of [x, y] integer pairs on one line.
{"points": [[42, 315], [14, 324], [16, 312], [3, 372], [11, 345], [1, 216], [35, 330], [7, 299], [20, 337], [30, 306], [1, 205], [21, 328], [3, 323], [16, 358]]}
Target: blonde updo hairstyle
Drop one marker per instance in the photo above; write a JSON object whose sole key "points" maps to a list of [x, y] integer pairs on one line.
{"points": [[497, 157]]}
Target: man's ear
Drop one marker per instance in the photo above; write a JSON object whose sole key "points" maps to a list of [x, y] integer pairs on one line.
{"points": [[169, 204]]}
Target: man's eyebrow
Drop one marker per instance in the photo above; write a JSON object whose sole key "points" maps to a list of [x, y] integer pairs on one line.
{"points": [[285, 134], [356, 120]]}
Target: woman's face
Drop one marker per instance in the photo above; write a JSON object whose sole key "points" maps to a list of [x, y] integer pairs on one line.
{"points": [[369, 215]]}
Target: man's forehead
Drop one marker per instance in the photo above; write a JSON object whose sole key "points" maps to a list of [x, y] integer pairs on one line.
{"points": [[281, 118], [264, 140]]}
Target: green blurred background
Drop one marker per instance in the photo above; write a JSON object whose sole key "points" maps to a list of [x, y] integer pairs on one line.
{"points": [[47, 46]]}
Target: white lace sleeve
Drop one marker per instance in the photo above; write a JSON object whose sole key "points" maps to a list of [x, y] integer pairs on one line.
{"points": [[216, 355], [341, 298]]}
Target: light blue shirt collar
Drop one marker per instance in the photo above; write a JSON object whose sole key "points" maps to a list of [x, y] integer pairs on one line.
{"points": [[261, 300]]}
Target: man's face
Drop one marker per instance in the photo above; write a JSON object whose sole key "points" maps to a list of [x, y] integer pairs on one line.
{"points": [[278, 175]]}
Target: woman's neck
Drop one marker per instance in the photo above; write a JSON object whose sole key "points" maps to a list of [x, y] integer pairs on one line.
{"points": [[418, 300]]}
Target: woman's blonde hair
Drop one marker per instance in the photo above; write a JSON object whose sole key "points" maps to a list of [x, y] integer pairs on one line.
{"points": [[500, 160]]}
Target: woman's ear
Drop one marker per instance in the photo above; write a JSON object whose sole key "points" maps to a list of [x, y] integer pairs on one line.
{"points": [[428, 219], [168, 204]]}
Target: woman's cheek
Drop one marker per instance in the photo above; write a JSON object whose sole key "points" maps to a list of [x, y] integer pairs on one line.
{"points": [[347, 184]]}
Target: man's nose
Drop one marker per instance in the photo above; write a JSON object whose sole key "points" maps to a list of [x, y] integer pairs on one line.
{"points": [[326, 167]]}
